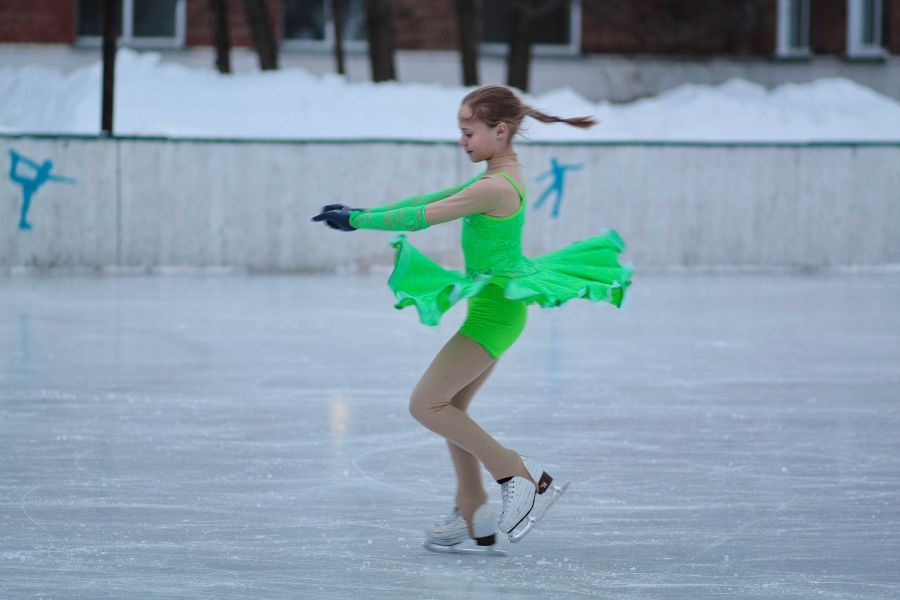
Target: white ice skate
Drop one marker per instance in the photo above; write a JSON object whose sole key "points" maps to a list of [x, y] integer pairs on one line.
{"points": [[523, 504], [452, 535]]}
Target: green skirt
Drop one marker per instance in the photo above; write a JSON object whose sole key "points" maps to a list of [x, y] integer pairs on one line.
{"points": [[587, 269]]}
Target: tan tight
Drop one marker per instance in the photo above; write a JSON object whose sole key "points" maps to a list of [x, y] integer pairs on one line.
{"points": [[439, 401]]}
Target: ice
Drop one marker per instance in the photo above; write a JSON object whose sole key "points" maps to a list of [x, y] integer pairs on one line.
{"points": [[245, 436]]}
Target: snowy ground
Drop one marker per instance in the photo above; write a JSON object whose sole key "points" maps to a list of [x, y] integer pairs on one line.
{"points": [[155, 98], [247, 437]]}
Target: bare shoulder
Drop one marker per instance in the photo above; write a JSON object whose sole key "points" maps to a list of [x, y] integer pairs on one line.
{"points": [[507, 197]]}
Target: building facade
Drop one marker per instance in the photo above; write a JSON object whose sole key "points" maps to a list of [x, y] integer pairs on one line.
{"points": [[666, 40]]}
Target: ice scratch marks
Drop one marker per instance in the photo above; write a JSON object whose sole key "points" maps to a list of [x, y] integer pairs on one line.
{"points": [[25, 510]]}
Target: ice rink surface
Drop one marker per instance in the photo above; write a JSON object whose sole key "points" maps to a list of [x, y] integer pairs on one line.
{"points": [[248, 437]]}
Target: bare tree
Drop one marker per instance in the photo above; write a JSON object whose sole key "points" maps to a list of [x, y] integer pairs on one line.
{"points": [[221, 34], [524, 17], [467, 18], [337, 13], [380, 26], [261, 32], [111, 17], [518, 60]]}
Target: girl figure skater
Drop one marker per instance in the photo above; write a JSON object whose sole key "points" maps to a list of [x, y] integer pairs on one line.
{"points": [[499, 284]]}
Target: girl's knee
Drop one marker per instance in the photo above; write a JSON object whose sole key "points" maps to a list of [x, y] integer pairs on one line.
{"points": [[461, 401], [415, 409], [424, 408]]}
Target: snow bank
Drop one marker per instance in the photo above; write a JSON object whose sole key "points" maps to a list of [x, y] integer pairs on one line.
{"points": [[156, 98]]}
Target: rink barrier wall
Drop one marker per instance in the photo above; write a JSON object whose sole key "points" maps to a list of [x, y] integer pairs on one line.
{"points": [[169, 204]]}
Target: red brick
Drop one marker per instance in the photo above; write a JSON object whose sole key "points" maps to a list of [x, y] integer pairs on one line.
{"points": [[892, 26], [679, 27], [425, 24], [37, 21], [200, 23], [828, 26], [670, 27]]}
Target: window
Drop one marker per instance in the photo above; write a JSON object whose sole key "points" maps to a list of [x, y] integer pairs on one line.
{"points": [[864, 26], [310, 24], [793, 28], [147, 23], [556, 30]]}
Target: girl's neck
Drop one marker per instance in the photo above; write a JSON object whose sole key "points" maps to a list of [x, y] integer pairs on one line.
{"points": [[497, 163]]}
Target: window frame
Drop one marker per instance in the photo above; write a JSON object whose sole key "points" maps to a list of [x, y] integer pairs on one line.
{"points": [[856, 48], [573, 48], [783, 48], [127, 37], [324, 45]]}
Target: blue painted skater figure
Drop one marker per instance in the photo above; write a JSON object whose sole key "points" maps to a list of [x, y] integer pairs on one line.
{"points": [[30, 186], [558, 172]]}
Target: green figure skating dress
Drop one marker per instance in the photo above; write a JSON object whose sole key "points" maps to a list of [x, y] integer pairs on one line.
{"points": [[492, 247]]}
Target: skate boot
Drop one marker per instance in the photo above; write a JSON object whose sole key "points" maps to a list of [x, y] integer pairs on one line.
{"points": [[453, 534], [523, 503]]}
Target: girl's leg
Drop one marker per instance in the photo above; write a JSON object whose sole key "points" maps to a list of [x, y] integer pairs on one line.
{"points": [[458, 364], [470, 492]]}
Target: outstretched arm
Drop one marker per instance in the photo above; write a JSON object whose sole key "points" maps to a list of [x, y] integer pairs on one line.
{"points": [[424, 199], [482, 196]]}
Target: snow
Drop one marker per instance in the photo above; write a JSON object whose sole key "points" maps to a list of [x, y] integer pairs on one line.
{"points": [[157, 98]]}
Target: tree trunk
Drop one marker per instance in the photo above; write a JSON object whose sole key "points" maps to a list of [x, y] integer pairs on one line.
{"points": [[261, 32], [467, 18], [111, 18], [219, 10], [379, 23], [337, 13], [519, 59]]}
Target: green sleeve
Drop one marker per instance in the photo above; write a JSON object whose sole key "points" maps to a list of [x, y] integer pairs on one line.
{"points": [[408, 218], [425, 199]]}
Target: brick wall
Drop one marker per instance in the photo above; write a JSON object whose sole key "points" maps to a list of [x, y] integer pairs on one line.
{"points": [[37, 21], [418, 24], [425, 24], [200, 22], [892, 26], [675, 27], [54, 21], [681, 27], [828, 26]]}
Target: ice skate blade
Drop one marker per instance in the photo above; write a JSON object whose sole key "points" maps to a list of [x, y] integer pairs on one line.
{"points": [[462, 548], [537, 513]]}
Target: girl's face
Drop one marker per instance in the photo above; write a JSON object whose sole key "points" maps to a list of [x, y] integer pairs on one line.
{"points": [[480, 141]]}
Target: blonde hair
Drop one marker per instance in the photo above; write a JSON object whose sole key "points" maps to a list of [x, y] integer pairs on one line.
{"points": [[495, 104]]}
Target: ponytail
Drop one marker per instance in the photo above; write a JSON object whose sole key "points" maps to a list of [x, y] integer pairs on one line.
{"points": [[494, 104], [581, 122]]}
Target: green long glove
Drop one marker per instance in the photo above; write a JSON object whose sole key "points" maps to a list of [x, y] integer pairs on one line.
{"points": [[424, 199], [409, 218]]}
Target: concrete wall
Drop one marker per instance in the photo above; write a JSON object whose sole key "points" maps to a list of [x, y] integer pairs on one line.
{"points": [[145, 203]]}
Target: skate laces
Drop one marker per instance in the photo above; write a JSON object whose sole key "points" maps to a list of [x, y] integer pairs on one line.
{"points": [[450, 523], [506, 490]]}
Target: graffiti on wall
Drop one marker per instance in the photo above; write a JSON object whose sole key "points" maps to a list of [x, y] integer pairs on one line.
{"points": [[557, 187], [31, 176]]}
